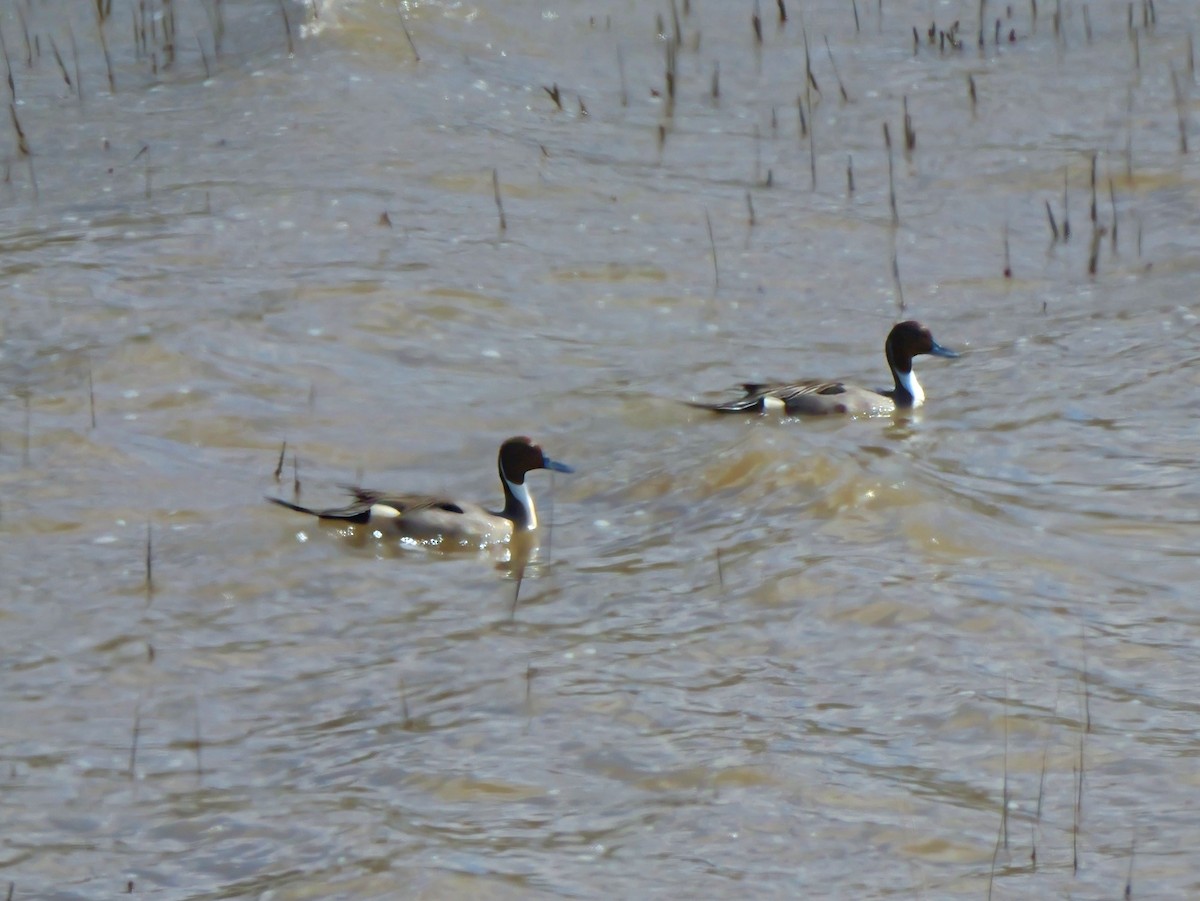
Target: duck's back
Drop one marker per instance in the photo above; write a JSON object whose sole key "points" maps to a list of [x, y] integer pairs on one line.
{"points": [[814, 397], [430, 518]]}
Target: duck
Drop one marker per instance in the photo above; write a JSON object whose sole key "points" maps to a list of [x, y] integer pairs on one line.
{"points": [[816, 397], [439, 521]]}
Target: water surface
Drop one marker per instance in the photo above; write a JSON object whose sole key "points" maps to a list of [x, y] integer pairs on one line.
{"points": [[756, 657]]}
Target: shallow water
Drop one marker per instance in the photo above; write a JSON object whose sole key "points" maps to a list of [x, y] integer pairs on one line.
{"points": [[753, 656]]}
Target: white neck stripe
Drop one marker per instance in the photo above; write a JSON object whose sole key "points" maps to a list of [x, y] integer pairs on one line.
{"points": [[908, 380], [525, 499]]}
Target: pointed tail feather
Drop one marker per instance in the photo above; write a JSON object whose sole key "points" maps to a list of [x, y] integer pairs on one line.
{"points": [[347, 515], [741, 405]]}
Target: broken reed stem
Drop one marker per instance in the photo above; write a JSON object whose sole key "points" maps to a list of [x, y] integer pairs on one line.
{"points": [[972, 94], [133, 743], [812, 143], [218, 26], [203, 59], [899, 287], [1129, 134], [287, 28], [1037, 821], [112, 82], [1112, 200], [62, 69], [836, 74], [756, 23], [196, 739], [750, 210], [1079, 767], [887, 141], [520, 580], [757, 155], [720, 571], [1053, 224], [25, 457], [91, 397], [669, 79], [12, 87], [857, 26], [1129, 874], [149, 559], [621, 76], [1098, 232], [808, 72], [25, 34], [1004, 791], [995, 857], [23, 146], [712, 243], [499, 202], [1007, 254], [279, 465], [75, 61], [1180, 110], [1087, 694], [1093, 186], [1078, 817], [714, 90], [407, 34], [166, 44], [1002, 831], [295, 476], [407, 718], [849, 174], [1066, 226], [910, 133]]}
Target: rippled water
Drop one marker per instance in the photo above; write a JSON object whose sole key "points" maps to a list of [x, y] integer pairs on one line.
{"points": [[753, 657]]}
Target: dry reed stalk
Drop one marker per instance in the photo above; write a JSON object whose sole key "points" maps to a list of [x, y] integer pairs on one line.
{"points": [[499, 202], [712, 243]]}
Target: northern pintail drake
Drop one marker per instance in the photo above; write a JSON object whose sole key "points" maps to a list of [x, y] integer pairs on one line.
{"points": [[815, 397], [438, 520]]}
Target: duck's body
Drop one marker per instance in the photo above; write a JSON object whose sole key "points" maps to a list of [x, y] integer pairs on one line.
{"points": [[816, 397], [439, 520]]}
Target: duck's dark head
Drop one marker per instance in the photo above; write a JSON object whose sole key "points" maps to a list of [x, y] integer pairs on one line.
{"points": [[911, 339], [905, 341], [520, 455]]}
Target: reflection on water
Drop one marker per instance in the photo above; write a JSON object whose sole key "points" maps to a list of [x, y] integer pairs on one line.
{"points": [[791, 654]]}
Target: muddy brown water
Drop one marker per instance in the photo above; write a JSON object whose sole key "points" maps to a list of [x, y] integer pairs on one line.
{"points": [[756, 658]]}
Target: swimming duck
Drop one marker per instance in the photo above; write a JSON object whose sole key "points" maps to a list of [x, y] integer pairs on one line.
{"points": [[437, 520], [905, 341]]}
